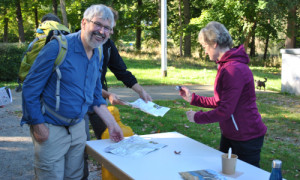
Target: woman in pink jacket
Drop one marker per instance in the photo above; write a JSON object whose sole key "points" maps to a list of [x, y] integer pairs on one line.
{"points": [[234, 102]]}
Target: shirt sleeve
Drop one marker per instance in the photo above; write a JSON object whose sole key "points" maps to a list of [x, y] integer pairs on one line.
{"points": [[118, 67], [35, 83]]}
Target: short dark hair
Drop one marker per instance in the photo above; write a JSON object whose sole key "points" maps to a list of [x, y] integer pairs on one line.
{"points": [[50, 17]]}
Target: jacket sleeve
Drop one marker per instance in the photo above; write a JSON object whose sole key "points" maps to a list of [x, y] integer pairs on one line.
{"points": [[232, 85], [35, 83], [201, 101], [118, 67]]}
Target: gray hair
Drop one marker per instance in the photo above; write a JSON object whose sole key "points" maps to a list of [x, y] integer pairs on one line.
{"points": [[50, 17], [215, 32], [101, 11]]}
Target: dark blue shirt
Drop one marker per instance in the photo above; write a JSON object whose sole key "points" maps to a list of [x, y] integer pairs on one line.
{"points": [[80, 86]]}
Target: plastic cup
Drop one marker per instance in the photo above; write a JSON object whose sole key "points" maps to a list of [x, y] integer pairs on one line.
{"points": [[229, 164]]}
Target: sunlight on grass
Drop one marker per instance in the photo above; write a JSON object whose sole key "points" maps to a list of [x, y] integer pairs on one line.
{"points": [[280, 113], [147, 69]]}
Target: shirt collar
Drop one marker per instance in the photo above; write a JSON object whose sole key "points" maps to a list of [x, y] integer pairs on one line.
{"points": [[79, 45]]}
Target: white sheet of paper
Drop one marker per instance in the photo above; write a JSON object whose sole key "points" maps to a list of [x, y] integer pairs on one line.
{"points": [[5, 96], [150, 107]]}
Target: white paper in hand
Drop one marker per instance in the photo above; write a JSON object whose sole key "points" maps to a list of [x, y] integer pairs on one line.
{"points": [[150, 107]]}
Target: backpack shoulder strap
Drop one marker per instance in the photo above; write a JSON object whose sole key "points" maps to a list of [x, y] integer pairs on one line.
{"points": [[100, 48], [63, 48]]}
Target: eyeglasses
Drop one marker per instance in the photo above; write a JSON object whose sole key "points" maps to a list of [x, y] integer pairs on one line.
{"points": [[100, 26]]}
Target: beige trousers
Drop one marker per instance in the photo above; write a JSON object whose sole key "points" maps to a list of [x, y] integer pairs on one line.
{"points": [[61, 156]]}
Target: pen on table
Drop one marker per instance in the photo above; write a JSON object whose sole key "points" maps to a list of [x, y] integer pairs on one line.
{"points": [[236, 127]]}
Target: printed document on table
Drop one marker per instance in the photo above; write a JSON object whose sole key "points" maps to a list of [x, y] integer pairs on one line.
{"points": [[202, 174], [133, 146], [5, 96], [150, 107]]}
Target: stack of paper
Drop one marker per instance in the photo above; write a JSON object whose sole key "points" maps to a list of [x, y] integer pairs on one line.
{"points": [[134, 146]]}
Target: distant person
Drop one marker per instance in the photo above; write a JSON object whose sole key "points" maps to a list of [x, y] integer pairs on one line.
{"points": [[59, 137], [115, 63], [234, 102]]}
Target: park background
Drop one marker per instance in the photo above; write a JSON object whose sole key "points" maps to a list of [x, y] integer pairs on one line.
{"points": [[263, 26]]}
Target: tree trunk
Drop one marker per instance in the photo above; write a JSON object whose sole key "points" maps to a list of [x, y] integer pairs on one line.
{"points": [[187, 37], [5, 34], [138, 27], [54, 6], [290, 41], [180, 28], [266, 46], [36, 17], [159, 11], [252, 45], [249, 34], [20, 21], [63, 12]]}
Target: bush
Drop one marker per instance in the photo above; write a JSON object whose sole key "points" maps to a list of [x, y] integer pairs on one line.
{"points": [[10, 60]]}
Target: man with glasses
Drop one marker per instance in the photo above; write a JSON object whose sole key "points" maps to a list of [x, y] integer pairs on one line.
{"points": [[59, 143], [115, 63]]}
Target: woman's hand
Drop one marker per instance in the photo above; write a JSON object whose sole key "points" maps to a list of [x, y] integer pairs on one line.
{"points": [[190, 115], [186, 94]]}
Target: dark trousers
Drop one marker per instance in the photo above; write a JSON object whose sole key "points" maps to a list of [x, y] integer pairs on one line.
{"points": [[99, 127], [248, 151], [98, 124]]}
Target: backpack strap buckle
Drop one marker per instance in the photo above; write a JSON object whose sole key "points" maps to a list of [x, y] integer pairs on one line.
{"points": [[70, 121]]}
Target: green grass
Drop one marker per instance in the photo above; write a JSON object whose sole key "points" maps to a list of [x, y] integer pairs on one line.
{"points": [[280, 113], [146, 66], [147, 70]]}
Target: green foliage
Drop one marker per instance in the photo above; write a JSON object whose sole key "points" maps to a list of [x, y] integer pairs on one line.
{"points": [[10, 60], [238, 16]]}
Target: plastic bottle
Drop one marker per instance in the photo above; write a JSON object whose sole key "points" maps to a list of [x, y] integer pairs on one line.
{"points": [[276, 170]]}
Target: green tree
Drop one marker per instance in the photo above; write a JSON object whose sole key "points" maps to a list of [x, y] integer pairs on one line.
{"points": [[20, 21]]}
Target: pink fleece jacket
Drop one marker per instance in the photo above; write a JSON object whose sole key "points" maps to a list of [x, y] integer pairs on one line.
{"points": [[234, 100]]}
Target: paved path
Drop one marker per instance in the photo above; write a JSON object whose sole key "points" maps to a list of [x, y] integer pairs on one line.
{"points": [[161, 92], [16, 148]]}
